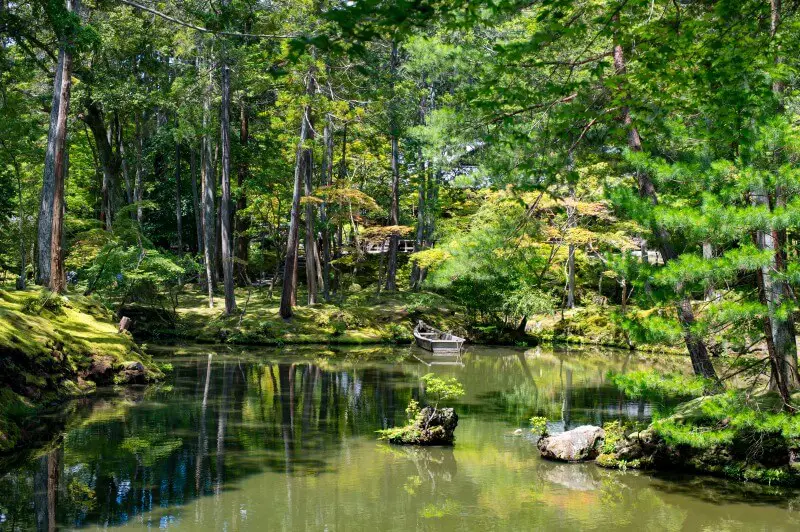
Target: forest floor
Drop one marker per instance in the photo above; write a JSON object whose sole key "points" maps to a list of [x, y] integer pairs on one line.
{"points": [[358, 318], [55, 347], [365, 317]]}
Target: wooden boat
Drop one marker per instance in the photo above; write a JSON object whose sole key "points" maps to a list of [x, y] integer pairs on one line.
{"points": [[436, 341]]}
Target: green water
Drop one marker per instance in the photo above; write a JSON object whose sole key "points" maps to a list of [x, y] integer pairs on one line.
{"points": [[275, 440]]}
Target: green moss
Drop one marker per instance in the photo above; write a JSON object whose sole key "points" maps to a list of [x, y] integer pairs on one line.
{"points": [[47, 342], [362, 317]]}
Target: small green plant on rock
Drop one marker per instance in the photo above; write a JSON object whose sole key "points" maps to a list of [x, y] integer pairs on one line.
{"points": [[539, 426], [430, 425]]}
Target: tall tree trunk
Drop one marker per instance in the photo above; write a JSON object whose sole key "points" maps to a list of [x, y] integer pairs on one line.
{"points": [[138, 186], [198, 218], [572, 222], [225, 202], [242, 220], [22, 279], [327, 178], [776, 288], [339, 237], [701, 362], [45, 225], [290, 268], [218, 273], [123, 163], [57, 274], [109, 160], [311, 239], [178, 201], [394, 213], [416, 273], [708, 254], [208, 197]]}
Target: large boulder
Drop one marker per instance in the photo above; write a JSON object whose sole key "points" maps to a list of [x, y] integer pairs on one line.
{"points": [[582, 443]]}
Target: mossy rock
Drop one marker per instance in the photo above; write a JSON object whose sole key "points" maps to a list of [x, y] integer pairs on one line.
{"points": [[428, 428]]}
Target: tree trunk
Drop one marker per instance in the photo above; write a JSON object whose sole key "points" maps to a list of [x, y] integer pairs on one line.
{"points": [[45, 226], [776, 288], [225, 202], [138, 187], [416, 273], [218, 273], [208, 198], [57, 279], [242, 221], [394, 214], [178, 209], [778, 322], [571, 276], [708, 254], [701, 363], [571, 223], [198, 218], [337, 280], [327, 178], [311, 240], [109, 160], [290, 268], [123, 163], [22, 280]]}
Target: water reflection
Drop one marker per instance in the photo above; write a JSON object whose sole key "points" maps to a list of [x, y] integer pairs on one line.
{"points": [[268, 441]]}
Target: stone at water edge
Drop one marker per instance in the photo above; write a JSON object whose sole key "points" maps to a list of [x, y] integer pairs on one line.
{"points": [[582, 443]]}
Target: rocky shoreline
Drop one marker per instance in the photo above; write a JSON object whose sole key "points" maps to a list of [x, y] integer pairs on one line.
{"points": [[772, 460]]}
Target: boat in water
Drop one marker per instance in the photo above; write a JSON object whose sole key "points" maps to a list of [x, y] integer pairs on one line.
{"points": [[436, 341]]}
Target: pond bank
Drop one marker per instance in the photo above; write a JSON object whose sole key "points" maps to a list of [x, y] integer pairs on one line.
{"points": [[365, 317], [56, 347], [732, 435]]}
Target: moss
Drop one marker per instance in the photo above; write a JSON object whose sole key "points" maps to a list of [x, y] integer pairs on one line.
{"points": [[732, 434], [48, 344], [362, 317]]}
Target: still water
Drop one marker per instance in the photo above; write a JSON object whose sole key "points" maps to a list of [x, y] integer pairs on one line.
{"points": [[285, 440]]}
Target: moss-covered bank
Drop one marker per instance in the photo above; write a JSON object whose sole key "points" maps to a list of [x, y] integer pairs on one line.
{"points": [[364, 317], [732, 434], [53, 347]]}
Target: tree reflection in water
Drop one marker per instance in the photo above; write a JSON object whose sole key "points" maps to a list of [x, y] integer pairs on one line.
{"points": [[233, 434]]}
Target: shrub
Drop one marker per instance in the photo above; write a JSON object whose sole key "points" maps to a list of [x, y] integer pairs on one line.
{"points": [[653, 386], [539, 426]]}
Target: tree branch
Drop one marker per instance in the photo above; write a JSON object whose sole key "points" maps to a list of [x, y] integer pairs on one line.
{"points": [[202, 29]]}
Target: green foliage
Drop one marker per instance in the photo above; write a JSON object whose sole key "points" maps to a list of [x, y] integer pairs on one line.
{"points": [[539, 426], [412, 410], [651, 385], [440, 389], [615, 432]]}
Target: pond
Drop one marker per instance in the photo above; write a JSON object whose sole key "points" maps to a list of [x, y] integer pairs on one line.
{"points": [[256, 439]]}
